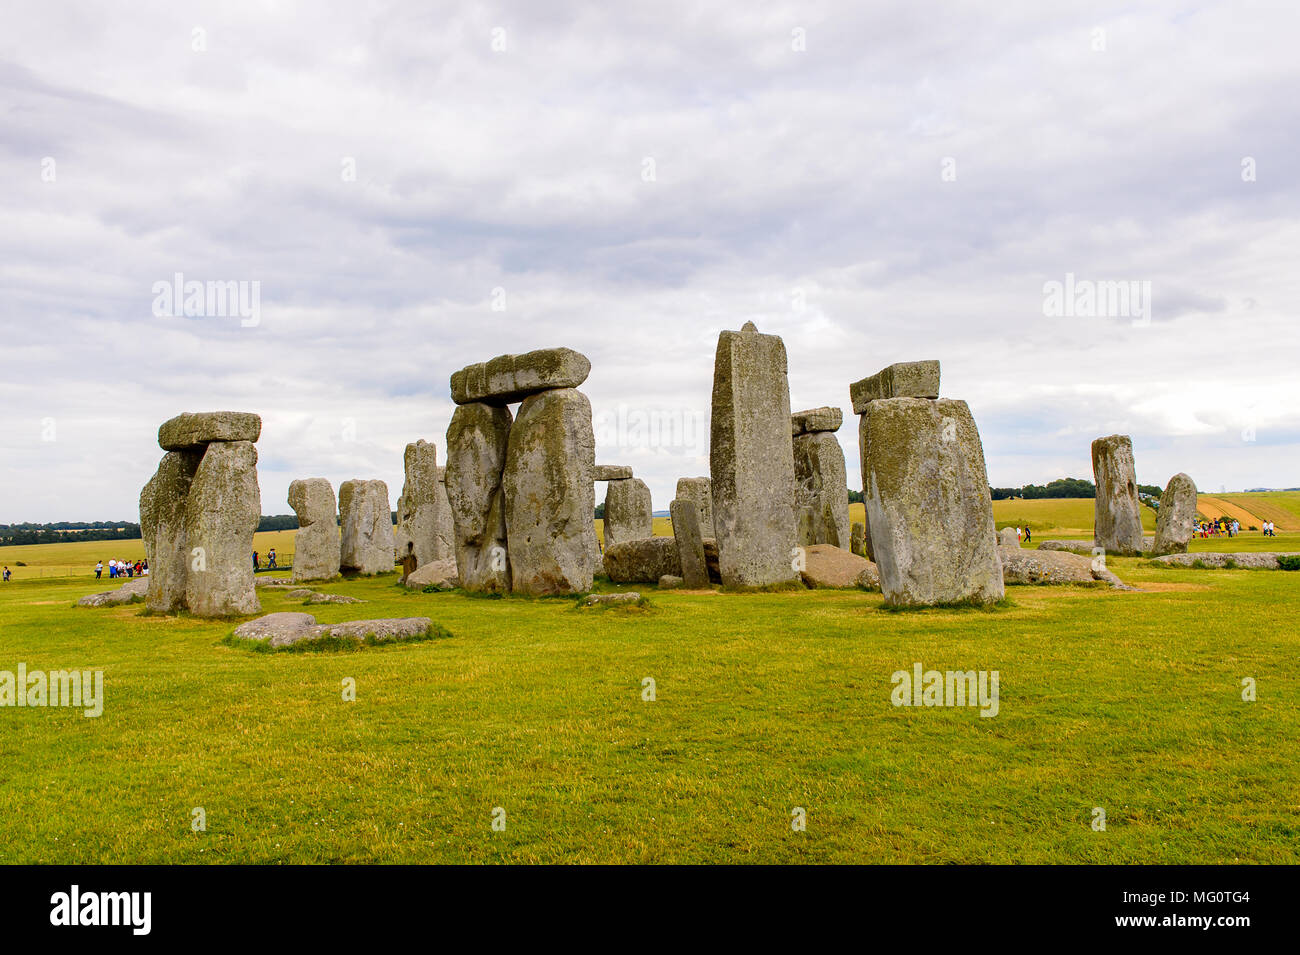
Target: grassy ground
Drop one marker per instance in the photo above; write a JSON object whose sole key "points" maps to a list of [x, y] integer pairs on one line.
{"points": [[1128, 702]]}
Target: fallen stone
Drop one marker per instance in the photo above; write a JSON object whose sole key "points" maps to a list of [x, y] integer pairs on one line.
{"points": [[378, 631], [815, 420], [440, 574], [629, 513], [316, 543], [477, 441], [669, 582], [1242, 560], [274, 624], [1021, 566], [332, 599], [611, 472], [366, 522], [275, 583], [1073, 547], [191, 431], [690, 543], [643, 560], [907, 379], [627, 599], [1117, 512], [133, 591], [510, 378], [222, 512], [300, 593], [827, 566]]}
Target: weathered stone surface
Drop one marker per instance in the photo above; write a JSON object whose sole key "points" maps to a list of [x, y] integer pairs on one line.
{"points": [[670, 582], [821, 489], [1118, 512], [313, 599], [316, 544], [643, 560], [510, 378], [221, 516], [1241, 560], [445, 528], [611, 472], [751, 460], [162, 525], [300, 593], [380, 631], [858, 539], [366, 522], [1073, 547], [928, 505], [628, 598], [1007, 537], [273, 625], [1021, 566], [865, 471], [549, 497], [192, 430], [275, 583], [440, 573], [690, 543], [906, 379], [477, 440], [816, 419], [418, 507], [629, 513], [700, 491], [133, 591], [1176, 517], [828, 566]]}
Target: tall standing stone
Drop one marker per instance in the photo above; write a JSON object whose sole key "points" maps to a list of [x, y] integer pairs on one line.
{"points": [[1118, 512], [445, 528], [699, 490], [629, 513], [477, 441], [751, 460], [549, 494], [221, 517], [690, 543], [366, 522], [316, 545], [162, 525], [419, 506], [1177, 516], [821, 480], [928, 504]]}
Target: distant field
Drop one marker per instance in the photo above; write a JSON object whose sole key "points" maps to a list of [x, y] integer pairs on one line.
{"points": [[1052, 517], [1280, 507]]}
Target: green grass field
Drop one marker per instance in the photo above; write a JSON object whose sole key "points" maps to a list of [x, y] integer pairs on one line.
{"points": [[1126, 701]]}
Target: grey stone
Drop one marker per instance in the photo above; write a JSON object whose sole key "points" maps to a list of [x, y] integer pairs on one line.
{"points": [[821, 489], [928, 504], [857, 539], [418, 507], [1007, 537], [300, 593], [192, 430], [700, 491], [221, 515], [628, 598], [1241, 560], [275, 624], [316, 544], [611, 472], [643, 560], [816, 419], [162, 525], [629, 513], [906, 379], [827, 566], [690, 543], [1021, 566], [670, 582], [388, 630], [1176, 517], [1072, 547], [549, 495], [445, 527], [477, 440], [332, 599], [1118, 513], [509, 378], [366, 522], [751, 460], [440, 574], [133, 591]]}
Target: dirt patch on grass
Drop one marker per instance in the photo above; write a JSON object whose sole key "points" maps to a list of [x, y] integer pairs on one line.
{"points": [[1160, 587]]}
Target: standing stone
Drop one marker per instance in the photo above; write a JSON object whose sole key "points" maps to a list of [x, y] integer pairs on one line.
{"points": [[445, 530], [928, 505], [549, 494], [751, 460], [367, 527], [316, 545], [221, 516], [629, 514], [867, 550], [1118, 513], [477, 439], [1007, 537], [418, 507], [1176, 516], [699, 490], [821, 489], [690, 543], [857, 542], [162, 525]]}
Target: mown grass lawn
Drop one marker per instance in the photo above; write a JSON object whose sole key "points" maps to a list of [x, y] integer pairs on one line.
{"points": [[764, 703]]}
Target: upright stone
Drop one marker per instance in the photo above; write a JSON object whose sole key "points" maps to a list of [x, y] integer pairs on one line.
{"points": [[751, 460], [1118, 513], [928, 504], [366, 521], [700, 491], [857, 539], [477, 440], [821, 489], [418, 507], [549, 494], [221, 516], [629, 514], [1176, 517], [316, 545], [445, 528], [690, 543], [162, 525]]}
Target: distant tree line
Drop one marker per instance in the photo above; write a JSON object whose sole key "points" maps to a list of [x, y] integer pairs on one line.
{"points": [[1061, 487], [61, 532]]}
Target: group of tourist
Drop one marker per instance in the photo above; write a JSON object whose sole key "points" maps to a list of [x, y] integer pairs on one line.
{"points": [[270, 560], [123, 568]]}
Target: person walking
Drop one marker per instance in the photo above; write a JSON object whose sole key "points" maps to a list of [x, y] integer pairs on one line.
{"points": [[257, 562], [1028, 536], [99, 570], [6, 574], [270, 559]]}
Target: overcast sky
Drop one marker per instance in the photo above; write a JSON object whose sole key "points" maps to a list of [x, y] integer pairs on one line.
{"points": [[421, 186]]}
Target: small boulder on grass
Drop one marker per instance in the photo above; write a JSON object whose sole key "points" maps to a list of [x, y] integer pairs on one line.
{"points": [[132, 591], [828, 566], [331, 599], [284, 630], [627, 599], [669, 582], [438, 574]]}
